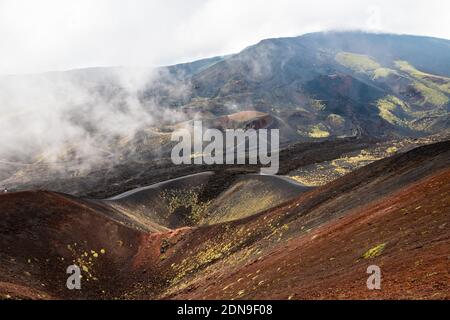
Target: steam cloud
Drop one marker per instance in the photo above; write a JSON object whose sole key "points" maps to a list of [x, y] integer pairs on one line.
{"points": [[77, 116]]}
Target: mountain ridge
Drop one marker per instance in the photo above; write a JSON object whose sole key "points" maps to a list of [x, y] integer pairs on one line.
{"points": [[319, 86]]}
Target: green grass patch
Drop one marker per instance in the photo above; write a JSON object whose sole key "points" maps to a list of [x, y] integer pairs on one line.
{"points": [[434, 82], [357, 62], [431, 95], [405, 66], [393, 110]]}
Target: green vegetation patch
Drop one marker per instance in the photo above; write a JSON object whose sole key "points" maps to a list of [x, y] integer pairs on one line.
{"points": [[357, 62], [431, 95], [393, 110], [397, 112], [318, 131], [408, 68], [430, 83], [405, 66], [445, 87], [188, 199]]}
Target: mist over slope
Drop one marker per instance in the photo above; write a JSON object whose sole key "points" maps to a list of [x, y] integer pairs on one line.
{"points": [[313, 87]]}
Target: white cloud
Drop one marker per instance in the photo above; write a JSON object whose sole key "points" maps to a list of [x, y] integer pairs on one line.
{"points": [[47, 35]]}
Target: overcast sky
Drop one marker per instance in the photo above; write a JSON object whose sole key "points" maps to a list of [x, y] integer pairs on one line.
{"points": [[45, 35]]}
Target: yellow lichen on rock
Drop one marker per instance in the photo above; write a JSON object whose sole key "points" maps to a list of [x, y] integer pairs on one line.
{"points": [[375, 251]]}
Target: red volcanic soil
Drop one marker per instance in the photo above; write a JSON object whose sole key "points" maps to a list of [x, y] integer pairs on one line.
{"points": [[42, 233], [327, 262], [313, 247]]}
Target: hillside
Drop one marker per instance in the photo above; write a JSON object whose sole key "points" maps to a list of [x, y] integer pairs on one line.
{"points": [[392, 213], [315, 87], [335, 84]]}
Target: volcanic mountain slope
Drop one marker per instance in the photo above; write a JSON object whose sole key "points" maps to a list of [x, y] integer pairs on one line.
{"points": [[319, 86], [321, 173], [334, 84], [393, 213], [204, 198], [106, 181], [43, 232], [51, 229]]}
